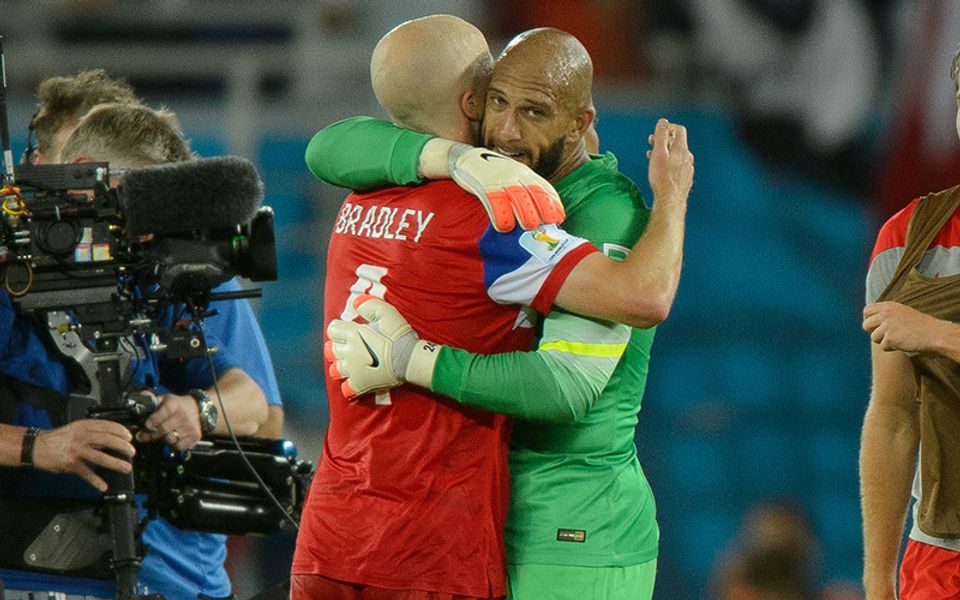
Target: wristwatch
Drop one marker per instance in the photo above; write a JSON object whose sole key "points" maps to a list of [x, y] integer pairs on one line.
{"points": [[26, 450], [209, 415]]}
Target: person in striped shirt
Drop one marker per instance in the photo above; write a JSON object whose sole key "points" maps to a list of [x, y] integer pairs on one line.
{"points": [[910, 430]]}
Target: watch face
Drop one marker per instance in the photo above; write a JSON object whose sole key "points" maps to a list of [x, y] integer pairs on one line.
{"points": [[207, 409], [209, 415]]}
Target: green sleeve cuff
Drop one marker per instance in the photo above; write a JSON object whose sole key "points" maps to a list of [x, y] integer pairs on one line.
{"points": [[405, 157], [363, 153], [449, 371]]}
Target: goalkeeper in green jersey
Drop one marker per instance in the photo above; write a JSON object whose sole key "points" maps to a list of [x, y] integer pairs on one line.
{"points": [[582, 520]]}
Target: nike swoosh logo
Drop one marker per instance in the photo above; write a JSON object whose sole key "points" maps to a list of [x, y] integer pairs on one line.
{"points": [[373, 356], [488, 155]]}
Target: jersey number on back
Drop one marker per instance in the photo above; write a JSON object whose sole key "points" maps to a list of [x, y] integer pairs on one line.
{"points": [[369, 281]]}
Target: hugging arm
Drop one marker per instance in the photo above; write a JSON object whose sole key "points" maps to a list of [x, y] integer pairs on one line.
{"points": [[361, 153], [640, 290], [558, 383]]}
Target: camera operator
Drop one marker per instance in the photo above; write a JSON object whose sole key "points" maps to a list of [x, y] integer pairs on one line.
{"points": [[61, 102], [179, 564]]}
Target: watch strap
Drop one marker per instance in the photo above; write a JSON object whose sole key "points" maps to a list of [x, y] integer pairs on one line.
{"points": [[203, 401], [26, 449]]}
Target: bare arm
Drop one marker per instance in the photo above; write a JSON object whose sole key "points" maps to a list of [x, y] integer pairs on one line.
{"points": [[639, 291], [888, 455], [272, 429], [243, 401]]}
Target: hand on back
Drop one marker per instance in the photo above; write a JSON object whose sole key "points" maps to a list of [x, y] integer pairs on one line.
{"points": [[370, 356], [510, 191]]}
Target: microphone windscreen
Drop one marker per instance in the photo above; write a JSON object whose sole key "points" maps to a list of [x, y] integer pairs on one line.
{"points": [[191, 195]]}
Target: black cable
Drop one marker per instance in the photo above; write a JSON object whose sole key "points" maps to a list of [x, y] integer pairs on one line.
{"points": [[195, 314], [133, 365]]}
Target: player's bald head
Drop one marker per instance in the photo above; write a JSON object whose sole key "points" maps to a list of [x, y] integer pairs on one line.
{"points": [[539, 104], [553, 58], [421, 69]]}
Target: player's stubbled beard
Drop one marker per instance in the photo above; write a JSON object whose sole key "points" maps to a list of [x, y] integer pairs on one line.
{"points": [[550, 159], [545, 167]]}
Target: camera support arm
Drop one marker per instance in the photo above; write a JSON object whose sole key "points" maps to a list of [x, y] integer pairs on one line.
{"points": [[119, 498]]}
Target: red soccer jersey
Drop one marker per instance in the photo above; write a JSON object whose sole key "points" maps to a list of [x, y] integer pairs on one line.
{"points": [[411, 490]]}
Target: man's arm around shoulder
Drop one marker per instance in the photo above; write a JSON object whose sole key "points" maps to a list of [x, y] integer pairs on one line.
{"points": [[363, 153]]}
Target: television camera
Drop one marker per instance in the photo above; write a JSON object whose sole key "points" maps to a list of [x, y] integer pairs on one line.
{"points": [[102, 258], [101, 263]]}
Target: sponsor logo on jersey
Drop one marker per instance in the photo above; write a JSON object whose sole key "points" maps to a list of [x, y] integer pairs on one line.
{"points": [[543, 236], [546, 242]]}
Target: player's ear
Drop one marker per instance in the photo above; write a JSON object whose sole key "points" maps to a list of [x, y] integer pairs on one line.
{"points": [[470, 105], [581, 124]]}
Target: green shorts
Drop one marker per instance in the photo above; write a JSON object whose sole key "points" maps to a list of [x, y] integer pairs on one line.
{"points": [[558, 582]]}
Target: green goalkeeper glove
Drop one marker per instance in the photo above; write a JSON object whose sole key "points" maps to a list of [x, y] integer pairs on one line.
{"points": [[378, 355], [510, 191]]}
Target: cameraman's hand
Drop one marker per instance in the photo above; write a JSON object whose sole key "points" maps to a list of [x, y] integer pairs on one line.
{"points": [[76, 446], [177, 422]]}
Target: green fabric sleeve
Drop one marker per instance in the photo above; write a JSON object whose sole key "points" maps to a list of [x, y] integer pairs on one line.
{"points": [[363, 153], [558, 383], [517, 384]]}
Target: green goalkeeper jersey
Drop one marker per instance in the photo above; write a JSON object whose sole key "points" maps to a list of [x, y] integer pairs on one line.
{"points": [[578, 494]]}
